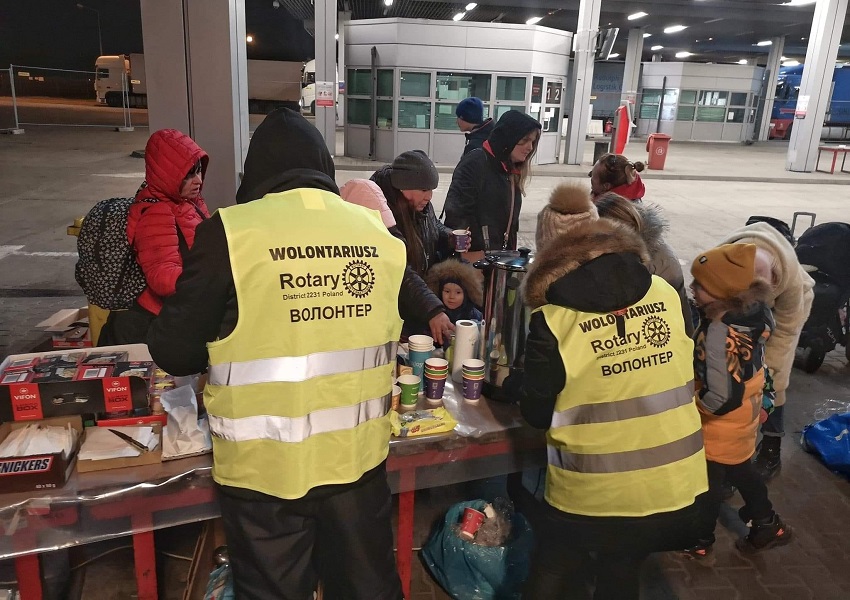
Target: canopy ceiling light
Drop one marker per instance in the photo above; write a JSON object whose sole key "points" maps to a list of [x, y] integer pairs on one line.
{"points": [[646, 35], [657, 48], [637, 15], [470, 6], [534, 20], [459, 16], [615, 55], [675, 28], [684, 54], [743, 61], [764, 43]]}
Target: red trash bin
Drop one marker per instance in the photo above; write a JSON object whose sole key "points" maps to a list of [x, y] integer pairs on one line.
{"points": [[657, 145]]}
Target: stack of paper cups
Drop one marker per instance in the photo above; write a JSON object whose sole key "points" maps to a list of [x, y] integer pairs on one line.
{"points": [[473, 380], [420, 348], [436, 373], [466, 337]]}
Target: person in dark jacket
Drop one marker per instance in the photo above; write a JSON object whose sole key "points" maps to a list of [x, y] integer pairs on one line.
{"points": [[486, 192], [161, 228], [609, 375], [408, 185], [616, 173], [416, 302], [339, 532], [470, 120]]}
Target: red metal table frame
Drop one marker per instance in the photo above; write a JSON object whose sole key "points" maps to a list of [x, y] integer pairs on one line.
{"points": [[835, 151], [141, 509]]}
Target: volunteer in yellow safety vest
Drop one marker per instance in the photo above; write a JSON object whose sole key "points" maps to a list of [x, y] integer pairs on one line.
{"points": [[609, 374], [291, 297]]}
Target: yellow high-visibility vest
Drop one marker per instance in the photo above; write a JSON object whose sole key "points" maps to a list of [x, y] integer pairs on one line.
{"points": [[625, 438], [299, 393]]}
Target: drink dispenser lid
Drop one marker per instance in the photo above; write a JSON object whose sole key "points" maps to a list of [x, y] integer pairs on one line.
{"points": [[512, 261]]}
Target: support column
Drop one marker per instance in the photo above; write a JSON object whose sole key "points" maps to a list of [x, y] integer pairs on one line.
{"points": [[196, 67], [815, 85], [325, 33], [584, 43], [342, 19], [771, 71], [631, 73]]}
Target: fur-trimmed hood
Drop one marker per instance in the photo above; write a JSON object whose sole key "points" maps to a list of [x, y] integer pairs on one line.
{"points": [[759, 292], [569, 205], [654, 226], [577, 269], [470, 278]]}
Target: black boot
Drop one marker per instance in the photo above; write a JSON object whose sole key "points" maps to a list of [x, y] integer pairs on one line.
{"points": [[767, 461], [764, 534]]}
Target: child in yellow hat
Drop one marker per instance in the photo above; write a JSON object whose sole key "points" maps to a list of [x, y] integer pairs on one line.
{"points": [[731, 381]]}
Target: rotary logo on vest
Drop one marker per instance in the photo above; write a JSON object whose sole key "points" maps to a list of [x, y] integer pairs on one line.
{"points": [[357, 278]]}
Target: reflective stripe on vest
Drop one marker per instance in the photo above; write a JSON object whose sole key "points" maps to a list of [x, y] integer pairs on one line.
{"points": [[606, 412], [621, 462], [301, 368], [298, 429]]}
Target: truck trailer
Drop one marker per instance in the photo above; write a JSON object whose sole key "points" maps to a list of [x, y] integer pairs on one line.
{"points": [[270, 82], [837, 119]]}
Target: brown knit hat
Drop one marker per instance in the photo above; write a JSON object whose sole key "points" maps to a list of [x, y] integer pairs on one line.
{"points": [[725, 271], [569, 205]]}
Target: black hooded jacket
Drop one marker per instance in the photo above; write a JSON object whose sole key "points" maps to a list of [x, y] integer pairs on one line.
{"points": [[477, 137], [286, 153], [480, 192]]}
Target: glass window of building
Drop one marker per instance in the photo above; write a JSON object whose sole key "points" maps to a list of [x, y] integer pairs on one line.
{"points": [[550, 119], [457, 86], [384, 117], [359, 111], [511, 89], [502, 109], [738, 99], [416, 85], [414, 115], [360, 82], [687, 105], [713, 98], [537, 90], [650, 101]]}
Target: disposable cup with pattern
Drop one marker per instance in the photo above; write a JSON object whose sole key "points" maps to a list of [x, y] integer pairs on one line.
{"points": [[409, 385]]}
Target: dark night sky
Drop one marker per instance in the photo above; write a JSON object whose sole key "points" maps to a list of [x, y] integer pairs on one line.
{"points": [[55, 33]]}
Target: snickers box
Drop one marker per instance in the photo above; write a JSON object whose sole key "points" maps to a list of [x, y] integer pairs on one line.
{"points": [[38, 471], [32, 400]]}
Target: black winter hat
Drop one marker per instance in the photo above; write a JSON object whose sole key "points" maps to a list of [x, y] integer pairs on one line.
{"points": [[413, 170], [511, 128]]}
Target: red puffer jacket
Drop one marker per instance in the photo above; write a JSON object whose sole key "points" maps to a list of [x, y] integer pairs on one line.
{"points": [[158, 212]]}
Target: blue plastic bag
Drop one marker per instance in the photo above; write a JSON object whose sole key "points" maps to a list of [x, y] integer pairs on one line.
{"points": [[468, 571], [830, 439]]}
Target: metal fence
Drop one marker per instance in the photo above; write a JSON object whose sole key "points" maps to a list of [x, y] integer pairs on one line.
{"points": [[47, 96]]}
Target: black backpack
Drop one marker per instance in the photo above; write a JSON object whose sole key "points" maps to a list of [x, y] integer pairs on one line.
{"points": [[107, 269]]}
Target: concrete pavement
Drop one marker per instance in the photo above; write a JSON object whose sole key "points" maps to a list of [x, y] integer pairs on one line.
{"points": [[50, 175]]}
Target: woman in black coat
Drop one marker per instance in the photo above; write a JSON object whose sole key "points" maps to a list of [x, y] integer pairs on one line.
{"points": [[408, 184], [488, 184]]}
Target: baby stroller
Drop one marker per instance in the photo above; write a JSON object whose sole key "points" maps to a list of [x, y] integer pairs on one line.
{"points": [[824, 251]]}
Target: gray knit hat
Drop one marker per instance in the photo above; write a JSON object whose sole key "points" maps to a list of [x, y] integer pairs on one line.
{"points": [[413, 170], [569, 205]]}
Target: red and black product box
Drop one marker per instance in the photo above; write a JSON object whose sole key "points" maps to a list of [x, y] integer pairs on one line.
{"points": [[29, 400]]}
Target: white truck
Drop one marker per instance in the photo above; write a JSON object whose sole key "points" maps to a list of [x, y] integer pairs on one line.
{"points": [[270, 82], [308, 87]]}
